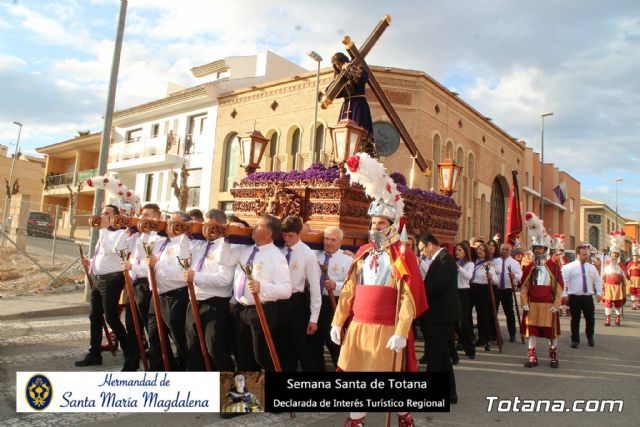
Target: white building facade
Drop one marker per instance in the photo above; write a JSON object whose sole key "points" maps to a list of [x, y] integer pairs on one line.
{"points": [[152, 141]]}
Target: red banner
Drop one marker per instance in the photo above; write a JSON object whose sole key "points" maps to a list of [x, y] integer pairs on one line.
{"points": [[514, 215]]}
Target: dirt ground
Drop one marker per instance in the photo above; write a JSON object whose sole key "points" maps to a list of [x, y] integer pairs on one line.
{"points": [[20, 276]]}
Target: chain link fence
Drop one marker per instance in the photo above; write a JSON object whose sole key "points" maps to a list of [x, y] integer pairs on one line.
{"points": [[39, 247]]}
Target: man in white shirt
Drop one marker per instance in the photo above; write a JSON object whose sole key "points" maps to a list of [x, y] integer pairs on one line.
{"points": [[336, 263], [212, 270], [581, 282], [301, 311], [138, 269], [507, 270], [270, 279], [108, 282], [172, 289]]}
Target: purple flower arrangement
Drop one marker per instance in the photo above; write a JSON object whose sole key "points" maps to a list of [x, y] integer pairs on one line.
{"points": [[401, 183], [319, 172], [315, 172]]}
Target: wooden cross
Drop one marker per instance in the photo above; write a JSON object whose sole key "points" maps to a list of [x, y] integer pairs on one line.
{"points": [[358, 59]]}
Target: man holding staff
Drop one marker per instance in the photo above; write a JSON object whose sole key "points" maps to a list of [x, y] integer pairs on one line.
{"points": [[263, 271]]}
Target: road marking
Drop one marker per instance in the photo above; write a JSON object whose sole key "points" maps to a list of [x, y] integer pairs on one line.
{"points": [[529, 373], [46, 338]]}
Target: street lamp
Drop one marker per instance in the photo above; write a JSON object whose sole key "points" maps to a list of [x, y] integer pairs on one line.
{"points": [[13, 164], [617, 181], [542, 116], [449, 172], [313, 55], [252, 146]]}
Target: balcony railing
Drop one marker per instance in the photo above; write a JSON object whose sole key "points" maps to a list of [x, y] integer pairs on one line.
{"points": [[89, 173], [59, 180], [146, 147]]}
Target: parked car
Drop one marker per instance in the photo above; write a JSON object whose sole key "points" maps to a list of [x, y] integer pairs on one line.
{"points": [[40, 224]]}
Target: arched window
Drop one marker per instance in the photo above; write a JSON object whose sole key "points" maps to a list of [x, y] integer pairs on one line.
{"points": [[436, 160], [231, 161], [449, 151], [471, 173], [273, 151], [319, 146], [460, 193], [483, 215], [295, 148]]}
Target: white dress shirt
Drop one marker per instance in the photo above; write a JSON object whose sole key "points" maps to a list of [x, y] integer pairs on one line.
{"points": [[338, 268], [303, 266], [270, 269], [168, 269], [479, 275], [214, 275], [465, 272], [515, 269], [423, 264], [139, 264], [572, 276], [106, 260]]}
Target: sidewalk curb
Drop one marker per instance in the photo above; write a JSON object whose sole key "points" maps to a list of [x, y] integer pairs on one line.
{"points": [[48, 312]]}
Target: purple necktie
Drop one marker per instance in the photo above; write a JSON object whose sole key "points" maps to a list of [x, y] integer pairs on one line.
{"points": [[206, 252], [243, 281], [288, 256], [327, 257], [504, 267], [164, 245], [584, 279]]}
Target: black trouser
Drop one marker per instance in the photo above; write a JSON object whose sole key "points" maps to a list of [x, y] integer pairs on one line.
{"points": [[437, 350], [142, 297], [173, 309], [291, 339], [322, 337], [214, 316], [505, 297], [251, 346], [155, 352], [104, 301], [582, 304], [464, 328], [480, 300]]}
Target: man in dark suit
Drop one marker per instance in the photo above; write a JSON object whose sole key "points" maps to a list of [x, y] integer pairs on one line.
{"points": [[444, 309]]}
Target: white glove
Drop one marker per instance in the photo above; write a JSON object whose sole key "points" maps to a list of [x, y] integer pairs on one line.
{"points": [[554, 309], [396, 343], [335, 334], [525, 307]]}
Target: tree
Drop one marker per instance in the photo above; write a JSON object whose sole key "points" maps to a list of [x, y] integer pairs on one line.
{"points": [[73, 202]]}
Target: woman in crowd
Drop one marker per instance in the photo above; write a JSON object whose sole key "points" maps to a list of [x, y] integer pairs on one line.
{"points": [[479, 288], [465, 271]]}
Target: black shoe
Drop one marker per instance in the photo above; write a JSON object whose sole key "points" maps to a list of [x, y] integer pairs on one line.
{"points": [[459, 347], [591, 342], [89, 360], [455, 360], [472, 356], [574, 344], [512, 338], [487, 347]]}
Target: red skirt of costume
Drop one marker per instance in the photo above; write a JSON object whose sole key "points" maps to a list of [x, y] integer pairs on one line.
{"points": [[613, 288], [537, 321], [374, 314]]}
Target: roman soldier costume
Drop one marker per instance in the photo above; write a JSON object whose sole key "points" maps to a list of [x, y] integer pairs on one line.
{"points": [[383, 292], [614, 279], [633, 269], [541, 294]]}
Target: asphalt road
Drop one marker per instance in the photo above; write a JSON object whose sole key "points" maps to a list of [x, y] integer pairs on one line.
{"points": [[607, 371], [63, 247]]}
